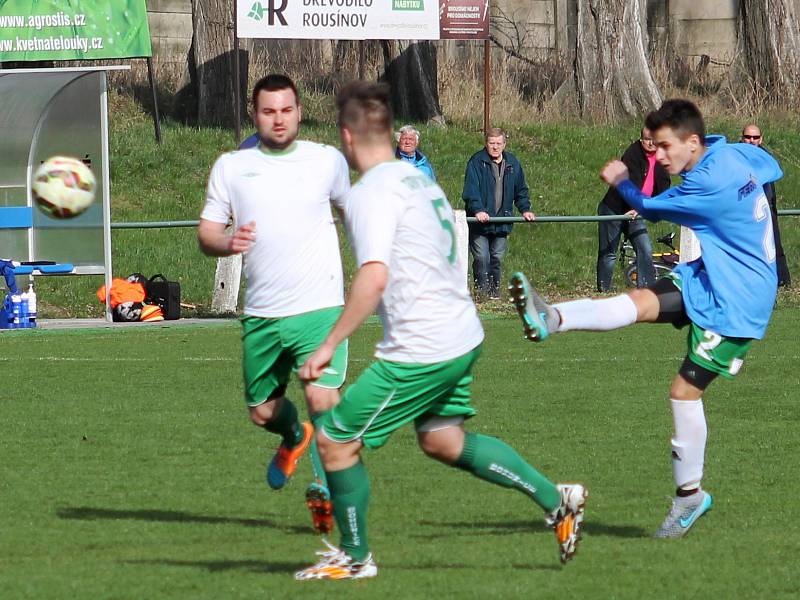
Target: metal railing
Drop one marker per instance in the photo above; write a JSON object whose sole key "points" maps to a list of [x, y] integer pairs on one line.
{"points": [[786, 212], [154, 224], [790, 212]]}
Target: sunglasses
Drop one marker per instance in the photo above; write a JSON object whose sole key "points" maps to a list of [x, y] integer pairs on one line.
{"points": [[751, 137]]}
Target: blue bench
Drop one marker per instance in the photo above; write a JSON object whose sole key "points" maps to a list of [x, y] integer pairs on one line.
{"points": [[21, 217]]}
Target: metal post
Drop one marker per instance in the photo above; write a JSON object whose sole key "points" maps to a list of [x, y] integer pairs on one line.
{"points": [[487, 84], [237, 83], [106, 184], [156, 117]]}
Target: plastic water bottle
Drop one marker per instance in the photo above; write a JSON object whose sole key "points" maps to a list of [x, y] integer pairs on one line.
{"points": [[31, 306], [24, 320], [16, 311]]}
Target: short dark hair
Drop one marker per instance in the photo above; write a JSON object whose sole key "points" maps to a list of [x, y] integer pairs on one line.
{"points": [[682, 116], [365, 108], [273, 83]]}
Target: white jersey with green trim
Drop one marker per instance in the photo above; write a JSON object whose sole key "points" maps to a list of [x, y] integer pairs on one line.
{"points": [[399, 217], [294, 266]]}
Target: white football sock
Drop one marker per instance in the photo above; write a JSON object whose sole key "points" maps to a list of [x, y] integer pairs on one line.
{"points": [[597, 315], [689, 442]]}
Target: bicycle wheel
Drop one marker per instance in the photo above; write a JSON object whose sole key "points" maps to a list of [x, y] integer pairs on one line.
{"points": [[631, 275]]}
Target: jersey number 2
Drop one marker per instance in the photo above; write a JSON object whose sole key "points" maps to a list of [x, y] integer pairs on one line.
{"points": [[439, 206], [711, 341], [762, 213]]}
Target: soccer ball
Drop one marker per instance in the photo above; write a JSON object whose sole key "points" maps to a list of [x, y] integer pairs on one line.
{"points": [[63, 187]]}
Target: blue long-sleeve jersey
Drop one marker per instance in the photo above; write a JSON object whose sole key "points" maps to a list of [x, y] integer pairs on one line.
{"points": [[731, 288]]}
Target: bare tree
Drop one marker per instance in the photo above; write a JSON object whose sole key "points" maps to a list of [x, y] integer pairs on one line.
{"points": [[213, 61], [510, 29], [612, 77], [410, 70], [537, 72], [770, 49]]}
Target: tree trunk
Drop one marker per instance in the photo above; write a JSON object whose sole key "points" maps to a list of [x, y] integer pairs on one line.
{"points": [[612, 77], [659, 44], [770, 49], [213, 58], [410, 68], [344, 56]]}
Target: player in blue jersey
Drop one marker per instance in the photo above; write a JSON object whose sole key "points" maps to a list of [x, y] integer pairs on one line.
{"points": [[726, 296]]}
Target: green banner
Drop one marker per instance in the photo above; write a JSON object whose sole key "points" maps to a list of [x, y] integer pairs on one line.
{"points": [[73, 30]]}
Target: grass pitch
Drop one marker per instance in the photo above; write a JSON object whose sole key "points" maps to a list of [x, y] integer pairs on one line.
{"points": [[130, 470]]}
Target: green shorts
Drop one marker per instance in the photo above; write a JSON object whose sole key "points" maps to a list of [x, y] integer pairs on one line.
{"points": [[273, 348], [716, 353], [390, 394]]}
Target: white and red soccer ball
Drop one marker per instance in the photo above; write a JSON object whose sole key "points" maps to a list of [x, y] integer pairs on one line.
{"points": [[63, 187]]}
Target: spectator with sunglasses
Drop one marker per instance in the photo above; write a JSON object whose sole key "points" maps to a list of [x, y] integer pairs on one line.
{"points": [[751, 134]]}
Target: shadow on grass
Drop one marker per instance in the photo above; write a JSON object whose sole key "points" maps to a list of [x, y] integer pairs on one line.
{"points": [[260, 566], [512, 527], [84, 513], [216, 566], [483, 528], [432, 566], [622, 531]]}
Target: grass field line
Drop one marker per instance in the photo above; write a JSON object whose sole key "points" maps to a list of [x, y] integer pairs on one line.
{"points": [[123, 359]]}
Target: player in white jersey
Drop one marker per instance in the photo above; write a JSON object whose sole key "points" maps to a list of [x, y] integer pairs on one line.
{"points": [[278, 196], [402, 229]]}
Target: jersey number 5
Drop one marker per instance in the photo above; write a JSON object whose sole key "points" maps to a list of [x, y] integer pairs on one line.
{"points": [[762, 213], [439, 205]]}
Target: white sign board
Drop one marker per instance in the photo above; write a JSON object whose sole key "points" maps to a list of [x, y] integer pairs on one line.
{"points": [[338, 19]]}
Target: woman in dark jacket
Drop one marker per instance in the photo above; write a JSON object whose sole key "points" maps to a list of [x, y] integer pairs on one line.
{"points": [[650, 177]]}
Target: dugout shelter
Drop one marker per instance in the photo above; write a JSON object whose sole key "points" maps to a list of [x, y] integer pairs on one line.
{"points": [[48, 112]]}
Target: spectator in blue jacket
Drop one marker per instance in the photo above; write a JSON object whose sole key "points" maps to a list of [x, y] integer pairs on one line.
{"points": [[493, 183], [407, 142]]}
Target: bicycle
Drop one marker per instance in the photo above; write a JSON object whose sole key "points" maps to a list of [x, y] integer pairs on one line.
{"points": [[663, 262]]}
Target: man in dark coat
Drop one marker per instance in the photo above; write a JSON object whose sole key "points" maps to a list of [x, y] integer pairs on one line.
{"points": [[493, 184], [650, 177]]}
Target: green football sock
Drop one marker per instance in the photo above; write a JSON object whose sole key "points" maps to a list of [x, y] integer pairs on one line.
{"points": [[496, 462], [350, 496], [286, 425], [316, 462]]}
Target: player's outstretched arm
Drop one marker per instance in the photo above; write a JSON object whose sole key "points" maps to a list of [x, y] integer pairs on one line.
{"points": [[214, 241], [615, 173], [365, 294]]}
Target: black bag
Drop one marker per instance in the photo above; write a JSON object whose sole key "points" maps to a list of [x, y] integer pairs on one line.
{"points": [[167, 294]]}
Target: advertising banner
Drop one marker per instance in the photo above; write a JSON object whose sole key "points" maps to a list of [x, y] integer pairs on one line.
{"points": [[73, 30], [464, 19], [339, 19]]}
